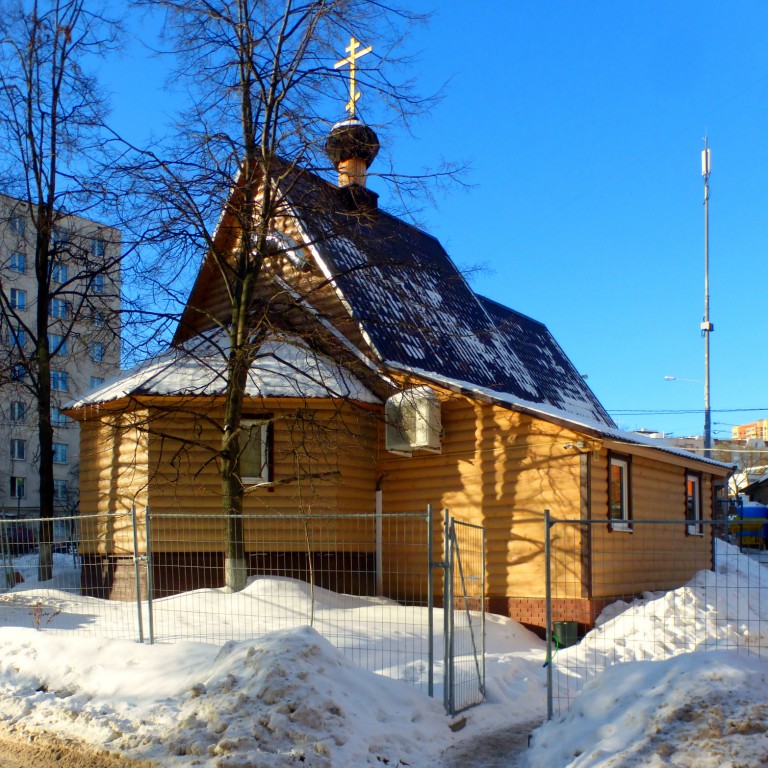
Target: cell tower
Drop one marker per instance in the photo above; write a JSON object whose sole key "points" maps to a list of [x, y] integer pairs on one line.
{"points": [[706, 326]]}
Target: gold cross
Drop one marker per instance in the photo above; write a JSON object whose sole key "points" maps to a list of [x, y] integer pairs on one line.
{"points": [[354, 55]]}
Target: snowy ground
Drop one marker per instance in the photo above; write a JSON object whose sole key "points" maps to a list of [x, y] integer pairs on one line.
{"points": [[289, 698]]}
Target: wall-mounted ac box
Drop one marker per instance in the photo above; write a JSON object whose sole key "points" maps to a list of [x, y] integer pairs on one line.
{"points": [[413, 422]]}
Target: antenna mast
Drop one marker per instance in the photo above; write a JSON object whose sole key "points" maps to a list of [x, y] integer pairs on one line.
{"points": [[706, 326]]}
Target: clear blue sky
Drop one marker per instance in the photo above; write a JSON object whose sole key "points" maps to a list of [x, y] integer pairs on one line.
{"points": [[583, 122]]}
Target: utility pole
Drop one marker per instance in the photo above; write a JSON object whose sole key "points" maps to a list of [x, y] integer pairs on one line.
{"points": [[706, 326]]}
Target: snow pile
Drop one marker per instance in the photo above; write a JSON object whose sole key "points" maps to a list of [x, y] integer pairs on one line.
{"points": [[289, 697], [721, 609], [702, 710]]}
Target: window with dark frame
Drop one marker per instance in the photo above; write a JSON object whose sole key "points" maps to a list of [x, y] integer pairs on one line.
{"points": [[693, 512], [619, 493]]}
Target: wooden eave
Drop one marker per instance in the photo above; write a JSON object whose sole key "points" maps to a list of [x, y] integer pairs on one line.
{"points": [[201, 403], [651, 452]]}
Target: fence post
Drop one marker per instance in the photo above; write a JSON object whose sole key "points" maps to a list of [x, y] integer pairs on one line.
{"points": [[136, 571], [430, 605], [548, 601], [150, 585], [448, 614]]}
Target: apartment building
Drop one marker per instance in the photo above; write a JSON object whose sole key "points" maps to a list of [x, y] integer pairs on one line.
{"points": [[755, 429], [84, 340]]}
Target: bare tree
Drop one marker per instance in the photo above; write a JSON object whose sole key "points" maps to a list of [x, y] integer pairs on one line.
{"points": [[51, 125], [262, 79]]}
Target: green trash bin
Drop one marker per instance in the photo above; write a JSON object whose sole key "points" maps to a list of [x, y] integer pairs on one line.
{"points": [[566, 633]]}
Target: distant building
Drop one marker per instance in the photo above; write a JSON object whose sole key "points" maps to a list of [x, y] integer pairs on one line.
{"points": [[755, 429], [84, 341]]}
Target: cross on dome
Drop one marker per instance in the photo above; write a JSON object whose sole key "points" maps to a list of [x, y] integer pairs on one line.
{"points": [[354, 55]]}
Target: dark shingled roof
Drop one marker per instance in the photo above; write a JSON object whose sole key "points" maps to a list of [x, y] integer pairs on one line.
{"points": [[417, 310]]}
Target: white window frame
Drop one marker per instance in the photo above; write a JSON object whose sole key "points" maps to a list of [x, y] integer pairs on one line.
{"points": [[247, 447], [18, 489], [57, 344], [60, 453], [17, 225], [96, 381], [60, 490], [18, 262], [59, 272], [97, 352], [60, 381], [17, 298], [18, 449], [59, 419], [18, 337], [623, 523], [693, 511], [98, 247], [97, 285], [58, 308], [17, 412]]}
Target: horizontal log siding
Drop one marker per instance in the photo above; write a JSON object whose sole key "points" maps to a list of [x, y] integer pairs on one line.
{"points": [[652, 557], [499, 469], [113, 477], [323, 464]]}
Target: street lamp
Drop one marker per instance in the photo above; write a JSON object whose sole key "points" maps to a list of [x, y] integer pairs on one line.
{"points": [[679, 378]]}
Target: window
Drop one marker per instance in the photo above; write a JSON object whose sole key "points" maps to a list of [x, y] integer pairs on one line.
{"points": [[61, 236], [17, 225], [58, 308], [97, 317], [57, 344], [59, 381], [17, 487], [18, 262], [97, 248], [59, 273], [60, 490], [96, 381], [59, 419], [18, 372], [97, 284], [18, 337], [17, 412], [693, 503], [97, 352], [18, 449], [254, 456], [18, 299], [60, 453], [619, 493]]}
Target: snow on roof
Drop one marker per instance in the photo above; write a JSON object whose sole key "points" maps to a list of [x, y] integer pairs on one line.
{"points": [[549, 412], [284, 367], [415, 307]]}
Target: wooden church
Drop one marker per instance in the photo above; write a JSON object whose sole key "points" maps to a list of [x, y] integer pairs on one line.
{"points": [[382, 378]]}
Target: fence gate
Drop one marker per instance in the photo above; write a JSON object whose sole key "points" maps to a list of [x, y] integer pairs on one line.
{"points": [[464, 625]]}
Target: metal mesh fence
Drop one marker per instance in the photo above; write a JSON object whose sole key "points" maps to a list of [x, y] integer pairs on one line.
{"points": [[651, 590], [360, 580]]}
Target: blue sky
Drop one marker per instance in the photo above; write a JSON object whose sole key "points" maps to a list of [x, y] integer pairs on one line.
{"points": [[583, 123]]}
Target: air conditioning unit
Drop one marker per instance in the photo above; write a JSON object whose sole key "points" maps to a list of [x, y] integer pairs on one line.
{"points": [[413, 422]]}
